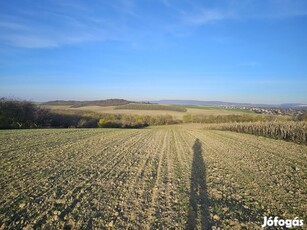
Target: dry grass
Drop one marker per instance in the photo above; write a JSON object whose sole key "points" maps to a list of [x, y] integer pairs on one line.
{"points": [[139, 106], [175, 114]]}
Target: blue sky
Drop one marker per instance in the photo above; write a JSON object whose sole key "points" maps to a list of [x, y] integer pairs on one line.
{"points": [[234, 50]]}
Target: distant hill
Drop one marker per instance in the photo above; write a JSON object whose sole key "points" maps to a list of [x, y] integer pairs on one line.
{"points": [[76, 104], [293, 105], [119, 102], [223, 103], [208, 103]]}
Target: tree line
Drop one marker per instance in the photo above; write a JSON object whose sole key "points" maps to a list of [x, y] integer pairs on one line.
{"points": [[15, 114], [134, 121]]}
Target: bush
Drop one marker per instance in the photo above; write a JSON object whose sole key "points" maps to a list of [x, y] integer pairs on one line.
{"points": [[87, 123], [24, 114], [134, 121], [104, 123], [17, 114]]}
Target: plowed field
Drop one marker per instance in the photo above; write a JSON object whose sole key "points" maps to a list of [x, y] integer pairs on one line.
{"points": [[163, 177]]}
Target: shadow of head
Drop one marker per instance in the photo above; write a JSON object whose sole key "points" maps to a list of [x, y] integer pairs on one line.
{"points": [[197, 148]]}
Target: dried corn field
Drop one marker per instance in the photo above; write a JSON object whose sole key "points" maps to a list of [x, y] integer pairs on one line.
{"points": [[295, 131], [163, 177]]}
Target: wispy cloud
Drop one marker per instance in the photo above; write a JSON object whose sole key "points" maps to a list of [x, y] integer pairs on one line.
{"points": [[29, 41], [127, 7], [201, 14], [205, 16], [40, 36], [65, 23], [12, 26], [57, 23], [284, 9]]}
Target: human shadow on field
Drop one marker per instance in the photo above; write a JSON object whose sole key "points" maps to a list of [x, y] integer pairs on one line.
{"points": [[198, 202]]}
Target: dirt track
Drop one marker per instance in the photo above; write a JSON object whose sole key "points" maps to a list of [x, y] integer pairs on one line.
{"points": [[163, 177]]}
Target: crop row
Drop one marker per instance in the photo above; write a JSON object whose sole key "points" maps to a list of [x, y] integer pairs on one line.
{"points": [[164, 177]]}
